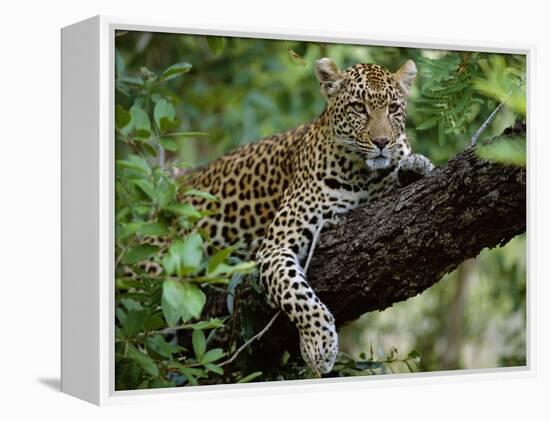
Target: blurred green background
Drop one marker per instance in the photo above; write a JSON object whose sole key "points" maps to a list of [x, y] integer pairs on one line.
{"points": [[231, 91]]}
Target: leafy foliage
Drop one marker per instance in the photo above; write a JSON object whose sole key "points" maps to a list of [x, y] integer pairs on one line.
{"points": [[456, 85], [152, 311], [446, 97], [390, 364], [509, 150], [185, 100], [507, 84]]}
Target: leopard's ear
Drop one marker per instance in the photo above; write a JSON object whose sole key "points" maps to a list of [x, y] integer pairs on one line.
{"points": [[329, 76], [405, 76]]}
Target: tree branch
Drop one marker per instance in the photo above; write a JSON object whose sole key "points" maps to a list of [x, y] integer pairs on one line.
{"points": [[399, 246], [475, 137]]}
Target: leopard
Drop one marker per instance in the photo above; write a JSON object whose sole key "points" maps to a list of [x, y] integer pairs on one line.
{"points": [[274, 195]]}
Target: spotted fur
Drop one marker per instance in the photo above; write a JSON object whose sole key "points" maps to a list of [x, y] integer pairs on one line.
{"points": [[274, 194]]}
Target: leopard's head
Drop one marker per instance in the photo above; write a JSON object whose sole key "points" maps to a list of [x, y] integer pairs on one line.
{"points": [[366, 108]]}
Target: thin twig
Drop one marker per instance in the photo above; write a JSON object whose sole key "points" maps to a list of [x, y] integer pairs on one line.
{"points": [[255, 337], [266, 328], [168, 330], [121, 254], [486, 123]]}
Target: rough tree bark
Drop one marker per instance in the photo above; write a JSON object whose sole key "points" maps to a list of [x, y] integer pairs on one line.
{"points": [[399, 246]]}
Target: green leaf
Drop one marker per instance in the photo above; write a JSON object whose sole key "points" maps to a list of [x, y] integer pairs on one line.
{"points": [[158, 344], [199, 344], [166, 124], [171, 263], [132, 81], [250, 377], [502, 82], [161, 383], [216, 44], [212, 355], [200, 193], [188, 373], [183, 299], [144, 361], [441, 133], [214, 368], [149, 149], [192, 253], [119, 64], [173, 292], [165, 191], [127, 230], [172, 315], [128, 283], [429, 123], [175, 70], [185, 209], [168, 144], [195, 300], [506, 150], [140, 121], [153, 228], [139, 253], [121, 316], [223, 269], [220, 257], [194, 371], [122, 117], [191, 373], [163, 109], [134, 322], [146, 187], [296, 58], [142, 209], [135, 162], [169, 124], [184, 257], [154, 322], [143, 135], [131, 304]]}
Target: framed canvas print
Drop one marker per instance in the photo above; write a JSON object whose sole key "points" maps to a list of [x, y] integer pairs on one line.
{"points": [[246, 210]]}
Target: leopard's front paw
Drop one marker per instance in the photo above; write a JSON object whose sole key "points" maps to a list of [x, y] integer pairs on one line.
{"points": [[319, 344], [412, 169]]}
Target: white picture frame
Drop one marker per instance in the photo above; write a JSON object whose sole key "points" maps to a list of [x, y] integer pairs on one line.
{"points": [[88, 207]]}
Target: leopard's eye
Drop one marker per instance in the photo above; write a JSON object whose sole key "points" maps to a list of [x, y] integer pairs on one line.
{"points": [[359, 108], [393, 107]]}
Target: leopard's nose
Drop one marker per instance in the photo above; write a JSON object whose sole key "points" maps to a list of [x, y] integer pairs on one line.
{"points": [[381, 142]]}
